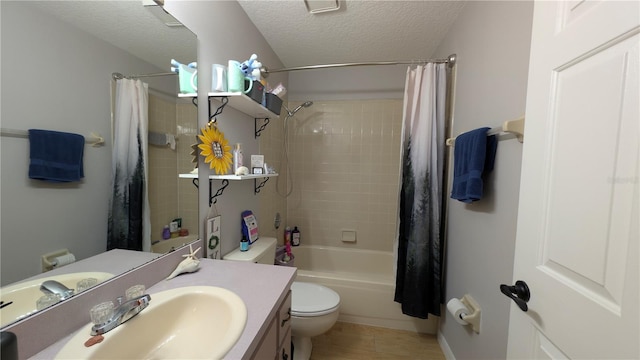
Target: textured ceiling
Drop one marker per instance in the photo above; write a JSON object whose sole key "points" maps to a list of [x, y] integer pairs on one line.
{"points": [[129, 26], [360, 31]]}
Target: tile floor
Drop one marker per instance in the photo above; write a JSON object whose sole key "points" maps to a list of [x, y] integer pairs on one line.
{"points": [[354, 342]]}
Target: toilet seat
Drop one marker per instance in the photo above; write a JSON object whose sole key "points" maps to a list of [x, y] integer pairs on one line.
{"points": [[309, 299]]}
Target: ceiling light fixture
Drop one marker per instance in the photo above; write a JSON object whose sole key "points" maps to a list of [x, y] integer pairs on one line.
{"points": [[321, 6]]}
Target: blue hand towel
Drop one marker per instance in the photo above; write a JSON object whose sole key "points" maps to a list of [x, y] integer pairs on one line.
{"points": [[55, 156], [474, 155]]}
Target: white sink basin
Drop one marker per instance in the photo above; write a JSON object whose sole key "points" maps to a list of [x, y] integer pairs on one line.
{"points": [[195, 322], [21, 297]]}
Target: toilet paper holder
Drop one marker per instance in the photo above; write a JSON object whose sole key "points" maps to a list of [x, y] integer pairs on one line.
{"points": [[56, 259], [474, 308]]}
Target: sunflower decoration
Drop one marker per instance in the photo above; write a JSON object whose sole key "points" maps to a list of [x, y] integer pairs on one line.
{"points": [[215, 149]]}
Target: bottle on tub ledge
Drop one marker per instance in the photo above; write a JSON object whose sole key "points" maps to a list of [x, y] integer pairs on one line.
{"points": [[295, 236], [166, 233], [287, 244]]}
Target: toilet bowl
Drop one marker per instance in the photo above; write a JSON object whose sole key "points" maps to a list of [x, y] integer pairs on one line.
{"points": [[314, 310]]}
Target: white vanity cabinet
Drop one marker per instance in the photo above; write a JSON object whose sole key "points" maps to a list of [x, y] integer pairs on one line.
{"points": [[276, 343], [284, 329]]}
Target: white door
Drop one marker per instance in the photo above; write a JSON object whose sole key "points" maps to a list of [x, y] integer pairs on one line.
{"points": [[578, 220]]}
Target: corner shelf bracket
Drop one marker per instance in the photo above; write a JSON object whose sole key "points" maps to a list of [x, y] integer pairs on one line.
{"points": [[212, 199], [257, 130], [224, 100], [257, 187]]}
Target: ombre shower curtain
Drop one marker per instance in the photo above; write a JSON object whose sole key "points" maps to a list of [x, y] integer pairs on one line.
{"points": [[420, 241], [129, 220]]}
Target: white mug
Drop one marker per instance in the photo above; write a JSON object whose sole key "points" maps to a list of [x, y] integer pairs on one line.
{"points": [[218, 78]]}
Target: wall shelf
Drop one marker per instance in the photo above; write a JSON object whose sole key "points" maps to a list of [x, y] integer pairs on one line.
{"points": [[240, 102], [228, 177], [248, 106], [225, 182]]}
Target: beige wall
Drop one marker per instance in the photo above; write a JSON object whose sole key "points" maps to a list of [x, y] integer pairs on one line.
{"points": [[225, 32], [345, 162], [491, 40], [39, 217]]}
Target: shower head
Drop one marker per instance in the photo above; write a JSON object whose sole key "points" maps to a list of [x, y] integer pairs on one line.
{"points": [[305, 104]]}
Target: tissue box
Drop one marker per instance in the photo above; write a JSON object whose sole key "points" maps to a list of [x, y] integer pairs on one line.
{"points": [[273, 103], [257, 164], [257, 92]]}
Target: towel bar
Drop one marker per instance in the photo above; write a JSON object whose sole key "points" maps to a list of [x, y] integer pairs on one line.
{"points": [[515, 127], [95, 140]]}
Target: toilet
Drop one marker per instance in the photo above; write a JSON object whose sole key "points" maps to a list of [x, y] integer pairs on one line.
{"points": [[314, 308]]}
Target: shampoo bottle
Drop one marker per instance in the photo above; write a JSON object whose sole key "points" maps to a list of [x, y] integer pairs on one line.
{"points": [[237, 158], [295, 237]]}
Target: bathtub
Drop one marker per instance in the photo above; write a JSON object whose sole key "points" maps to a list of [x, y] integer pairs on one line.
{"points": [[365, 280]]}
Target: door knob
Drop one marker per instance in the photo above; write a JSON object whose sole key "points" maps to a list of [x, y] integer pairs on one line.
{"points": [[518, 293]]}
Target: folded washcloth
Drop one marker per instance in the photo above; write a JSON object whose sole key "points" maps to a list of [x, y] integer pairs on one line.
{"points": [[55, 156], [474, 155]]}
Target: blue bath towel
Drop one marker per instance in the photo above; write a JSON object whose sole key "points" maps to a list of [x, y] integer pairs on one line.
{"points": [[55, 156], [474, 155]]}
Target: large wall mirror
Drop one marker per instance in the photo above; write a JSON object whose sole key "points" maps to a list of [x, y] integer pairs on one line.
{"points": [[57, 62]]}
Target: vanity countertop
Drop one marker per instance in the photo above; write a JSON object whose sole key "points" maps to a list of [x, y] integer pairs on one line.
{"points": [[261, 287]]}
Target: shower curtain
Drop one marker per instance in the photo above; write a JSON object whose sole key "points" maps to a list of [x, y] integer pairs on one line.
{"points": [[129, 221], [419, 262]]}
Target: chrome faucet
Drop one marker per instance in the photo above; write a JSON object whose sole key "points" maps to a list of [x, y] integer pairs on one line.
{"points": [[121, 314], [56, 288]]}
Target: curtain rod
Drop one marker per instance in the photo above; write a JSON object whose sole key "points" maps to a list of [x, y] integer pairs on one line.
{"points": [[451, 60], [118, 76]]}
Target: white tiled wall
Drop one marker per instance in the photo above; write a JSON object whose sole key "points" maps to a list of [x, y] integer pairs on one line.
{"points": [[187, 128], [345, 162], [271, 146], [169, 196]]}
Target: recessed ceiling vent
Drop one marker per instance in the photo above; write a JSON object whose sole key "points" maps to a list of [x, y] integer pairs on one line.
{"points": [[155, 7], [322, 6]]}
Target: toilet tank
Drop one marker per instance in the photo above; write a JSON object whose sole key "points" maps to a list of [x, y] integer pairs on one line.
{"points": [[262, 251]]}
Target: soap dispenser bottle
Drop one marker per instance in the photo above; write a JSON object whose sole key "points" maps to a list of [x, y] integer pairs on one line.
{"points": [[237, 158]]}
